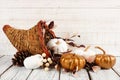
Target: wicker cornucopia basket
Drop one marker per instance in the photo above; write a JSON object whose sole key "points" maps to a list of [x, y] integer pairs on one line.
{"points": [[33, 40]]}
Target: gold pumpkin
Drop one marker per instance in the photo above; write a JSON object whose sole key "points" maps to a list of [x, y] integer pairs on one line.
{"points": [[72, 62], [104, 60]]}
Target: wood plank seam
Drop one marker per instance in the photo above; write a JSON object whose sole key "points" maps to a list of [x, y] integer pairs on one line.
{"points": [[6, 70], [115, 72], [60, 8], [59, 73], [29, 74], [54, 76], [2, 56], [90, 78], [14, 75]]}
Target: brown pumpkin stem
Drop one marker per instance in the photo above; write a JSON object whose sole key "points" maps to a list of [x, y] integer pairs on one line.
{"points": [[86, 48], [101, 49]]}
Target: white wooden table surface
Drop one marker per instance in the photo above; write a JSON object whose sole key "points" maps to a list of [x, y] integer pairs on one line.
{"points": [[10, 72]]}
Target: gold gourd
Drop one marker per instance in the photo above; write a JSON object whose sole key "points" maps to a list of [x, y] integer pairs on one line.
{"points": [[105, 60], [72, 62]]}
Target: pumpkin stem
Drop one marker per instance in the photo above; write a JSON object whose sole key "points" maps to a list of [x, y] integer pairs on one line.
{"points": [[58, 42], [101, 49], [86, 48]]}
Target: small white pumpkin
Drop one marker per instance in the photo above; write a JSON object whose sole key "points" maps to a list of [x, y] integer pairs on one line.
{"points": [[78, 51], [87, 53], [58, 45], [33, 62]]}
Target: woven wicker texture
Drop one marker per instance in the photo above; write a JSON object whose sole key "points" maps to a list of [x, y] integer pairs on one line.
{"points": [[31, 40]]}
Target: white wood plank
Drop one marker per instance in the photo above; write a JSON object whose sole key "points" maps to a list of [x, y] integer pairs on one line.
{"points": [[4, 59], [81, 75], [1, 56], [22, 74], [110, 49], [99, 38], [60, 4], [5, 63], [74, 13], [117, 65], [104, 75], [40, 74], [15, 73], [4, 67], [64, 75], [9, 74], [85, 20]]}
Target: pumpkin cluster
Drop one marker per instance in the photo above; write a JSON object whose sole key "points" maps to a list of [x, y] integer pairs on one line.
{"points": [[75, 62]]}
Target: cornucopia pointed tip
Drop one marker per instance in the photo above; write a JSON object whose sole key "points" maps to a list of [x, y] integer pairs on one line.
{"points": [[6, 27]]}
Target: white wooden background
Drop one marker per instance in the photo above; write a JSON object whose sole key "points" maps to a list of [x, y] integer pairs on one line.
{"points": [[97, 21]]}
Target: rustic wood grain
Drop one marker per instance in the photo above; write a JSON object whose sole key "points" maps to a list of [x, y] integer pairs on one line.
{"points": [[116, 68], [80, 75], [60, 4], [104, 75], [38, 74], [19, 75], [5, 63], [11, 73], [1, 56], [85, 20]]}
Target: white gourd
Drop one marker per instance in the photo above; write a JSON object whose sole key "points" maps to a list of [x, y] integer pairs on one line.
{"points": [[78, 51], [58, 45], [87, 53], [33, 62]]}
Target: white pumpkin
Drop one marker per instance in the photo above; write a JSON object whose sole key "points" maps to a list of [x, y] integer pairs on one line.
{"points": [[78, 51], [58, 45], [87, 53], [33, 62]]}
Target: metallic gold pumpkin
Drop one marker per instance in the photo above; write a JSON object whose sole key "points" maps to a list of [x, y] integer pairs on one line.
{"points": [[104, 60], [72, 62]]}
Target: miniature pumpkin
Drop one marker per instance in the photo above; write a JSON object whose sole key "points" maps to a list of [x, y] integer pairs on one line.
{"points": [[57, 45], [78, 51], [87, 53], [72, 62], [104, 60]]}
